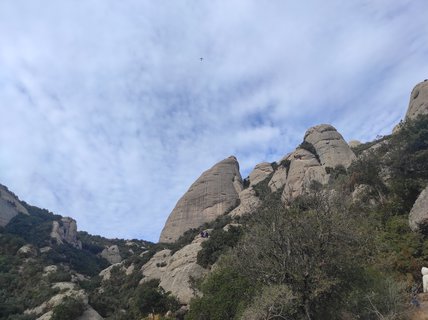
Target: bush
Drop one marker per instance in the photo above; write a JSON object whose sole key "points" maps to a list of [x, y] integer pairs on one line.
{"points": [[226, 292], [69, 309], [218, 242], [150, 298]]}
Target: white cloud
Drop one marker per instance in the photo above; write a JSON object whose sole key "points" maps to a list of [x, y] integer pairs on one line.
{"points": [[108, 114]]}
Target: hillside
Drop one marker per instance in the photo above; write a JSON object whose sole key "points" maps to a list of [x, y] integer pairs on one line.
{"points": [[330, 231]]}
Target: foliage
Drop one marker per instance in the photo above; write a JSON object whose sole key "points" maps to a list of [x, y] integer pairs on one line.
{"points": [[69, 309], [80, 260], [225, 291], [150, 298], [217, 244]]}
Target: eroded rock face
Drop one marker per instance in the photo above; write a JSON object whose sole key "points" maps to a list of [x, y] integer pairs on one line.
{"points": [[174, 271], [10, 206], [322, 150], [213, 194], [418, 101], [249, 202], [304, 170], [260, 172], [330, 146], [66, 231], [418, 217], [112, 254]]}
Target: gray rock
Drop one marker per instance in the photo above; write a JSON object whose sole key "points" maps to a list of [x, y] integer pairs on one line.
{"points": [[418, 104], [248, 203], [324, 148], [112, 254], [330, 146], [418, 217], [304, 170], [28, 250], [10, 206], [260, 172], [175, 271], [65, 230], [214, 193]]}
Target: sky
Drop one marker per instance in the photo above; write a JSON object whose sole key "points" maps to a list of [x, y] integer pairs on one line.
{"points": [[108, 114]]}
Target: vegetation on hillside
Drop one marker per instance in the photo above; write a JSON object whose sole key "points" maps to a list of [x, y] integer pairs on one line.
{"points": [[330, 256]]}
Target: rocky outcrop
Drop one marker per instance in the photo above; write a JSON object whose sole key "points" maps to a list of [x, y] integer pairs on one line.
{"points": [[323, 149], [248, 199], [418, 217], [330, 147], [418, 104], [213, 194], [67, 289], [260, 172], [28, 250], [112, 254], [249, 202], [10, 206], [176, 270], [65, 230]]}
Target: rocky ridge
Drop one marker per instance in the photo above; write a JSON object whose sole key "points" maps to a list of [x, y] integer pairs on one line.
{"points": [[10, 206]]}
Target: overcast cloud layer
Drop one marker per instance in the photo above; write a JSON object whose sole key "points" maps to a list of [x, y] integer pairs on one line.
{"points": [[107, 113]]}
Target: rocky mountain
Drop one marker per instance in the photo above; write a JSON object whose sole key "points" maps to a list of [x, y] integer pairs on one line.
{"points": [[232, 248], [213, 194]]}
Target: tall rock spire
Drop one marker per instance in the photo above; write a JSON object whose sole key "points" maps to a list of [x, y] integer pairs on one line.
{"points": [[211, 195]]}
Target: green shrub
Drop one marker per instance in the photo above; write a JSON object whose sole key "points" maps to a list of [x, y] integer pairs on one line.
{"points": [[69, 309], [218, 242], [226, 293]]}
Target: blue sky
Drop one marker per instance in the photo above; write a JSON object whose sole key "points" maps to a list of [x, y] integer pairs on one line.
{"points": [[108, 114]]}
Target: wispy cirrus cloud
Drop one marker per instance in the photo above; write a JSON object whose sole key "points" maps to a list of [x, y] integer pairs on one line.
{"points": [[108, 114]]}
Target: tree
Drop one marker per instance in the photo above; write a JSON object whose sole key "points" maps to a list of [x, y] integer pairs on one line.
{"points": [[313, 248]]}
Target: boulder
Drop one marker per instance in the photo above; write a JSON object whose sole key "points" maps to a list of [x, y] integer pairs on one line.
{"points": [[330, 147], [279, 178], [418, 104], [260, 172], [213, 194], [65, 230], [248, 203], [418, 217], [10, 206], [304, 170], [175, 271], [112, 254], [323, 149], [28, 250]]}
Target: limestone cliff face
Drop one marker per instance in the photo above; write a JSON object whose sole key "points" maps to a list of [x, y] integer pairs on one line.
{"points": [[66, 231], [211, 195], [248, 200], [10, 206], [176, 270], [322, 150], [418, 101]]}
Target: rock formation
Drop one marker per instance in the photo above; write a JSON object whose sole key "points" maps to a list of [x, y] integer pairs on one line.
{"points": [[213, 194], [418, 217], [323, 149], [10, 206], [112, 254], [175, 270], [65, 230], [418, 101], [248, 200]]}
